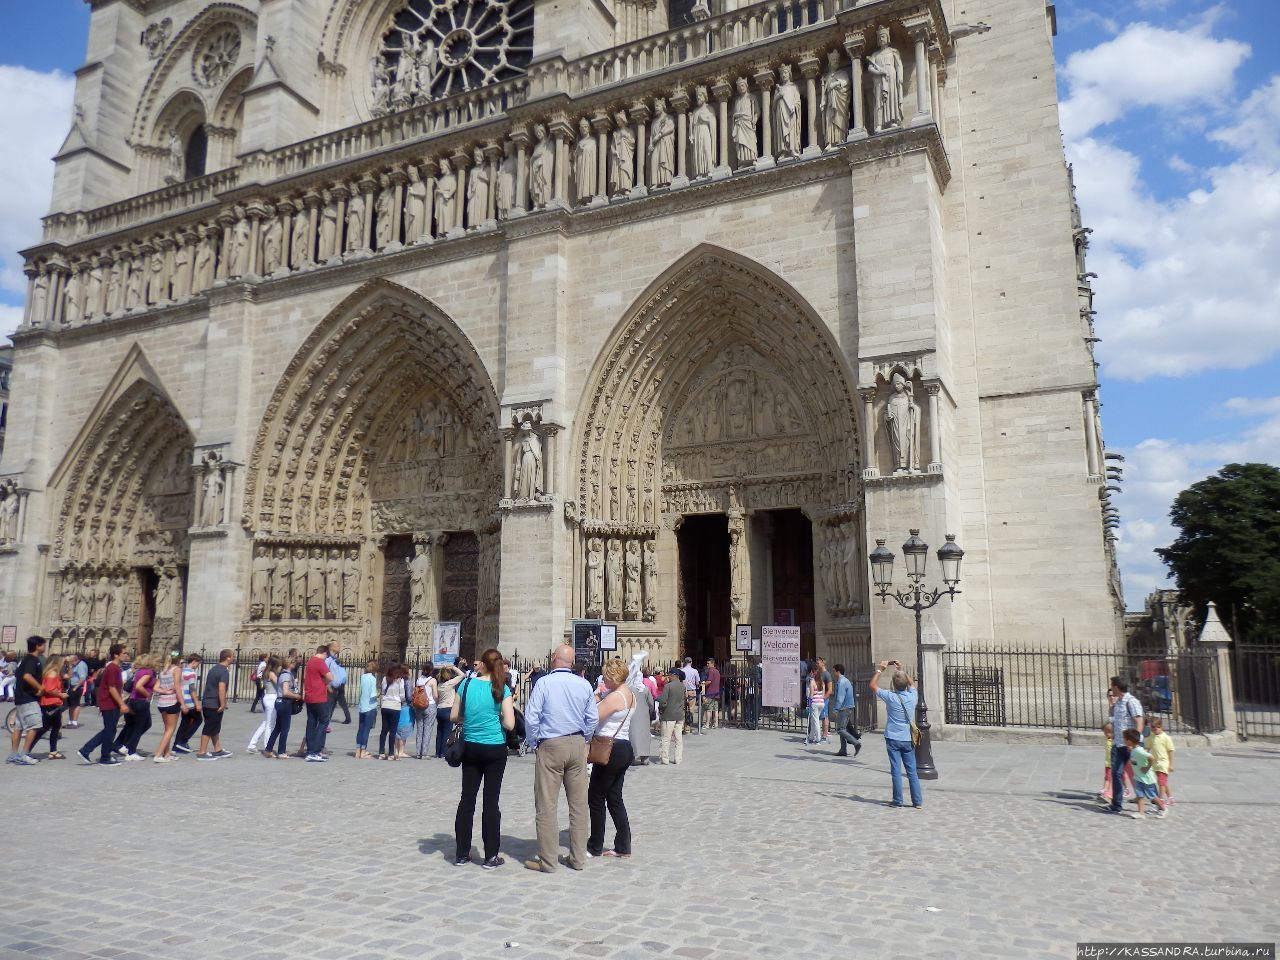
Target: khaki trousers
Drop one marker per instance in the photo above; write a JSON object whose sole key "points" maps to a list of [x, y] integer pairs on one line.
{"points": [[561, 761], [673, 728]]}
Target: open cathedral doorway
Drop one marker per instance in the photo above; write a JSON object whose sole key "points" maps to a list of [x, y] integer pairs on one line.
{"points": [[791, 572], [704, 582]]}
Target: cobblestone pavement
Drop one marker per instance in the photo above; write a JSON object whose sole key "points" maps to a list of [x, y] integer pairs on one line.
{"points": [[756, 846]]}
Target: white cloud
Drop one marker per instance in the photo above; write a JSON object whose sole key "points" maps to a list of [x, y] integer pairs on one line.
{"points": [[1258, 132], [35, 113], [1157, 470], [1147, 66]]}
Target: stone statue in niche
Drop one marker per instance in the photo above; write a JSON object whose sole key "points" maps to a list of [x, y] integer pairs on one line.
{"points": [[415, 208], [541, 168], [263, 569], [350, 583], [9, 512], [180, 287], [650, 581], [786, 115], [737, 527], [902, 423], [67, 603], [380, 80], [281, 583], [355, 220], [703, 130], [834, 105], [385, 211], [622, 152], [738, 407], [40, 299], [584, 163], [315, 584], [333, 584], [102, 600], [446, 192], [885, 68], [329, 226], [84, 601], [177, 158], [133, 286], [746, 120], [420, 580], [527, 473], [213, 485], [272, 245], [478, 187], [505, 188], [662, 145], [631, 586], [406, 78], [613, 578], [851, 564], [71, 311], [93, 292], [166, 593], [120, 597], [595, 577], [239, 248], [202, 267]]}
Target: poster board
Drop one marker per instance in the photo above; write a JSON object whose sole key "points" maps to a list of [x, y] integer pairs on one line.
{"points": [[9, 637], [780, 652], [742, 641], [586, 643], [608, 637], [446, 643]]}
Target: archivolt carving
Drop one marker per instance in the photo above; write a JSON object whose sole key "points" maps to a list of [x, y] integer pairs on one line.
{"points": [[385, 421], [130, 487], [726, 369]]}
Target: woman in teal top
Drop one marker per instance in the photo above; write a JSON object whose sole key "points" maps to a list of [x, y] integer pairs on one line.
{"points": [[368, 709], [485, 709]]}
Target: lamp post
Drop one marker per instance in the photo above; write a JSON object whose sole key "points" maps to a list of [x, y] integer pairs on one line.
{"points": [[915, 597]]}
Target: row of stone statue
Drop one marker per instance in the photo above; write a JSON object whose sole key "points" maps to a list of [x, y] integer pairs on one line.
{"points": [[99, 597], [840, 561], [622, 578], [304, 582], [645, 147]]}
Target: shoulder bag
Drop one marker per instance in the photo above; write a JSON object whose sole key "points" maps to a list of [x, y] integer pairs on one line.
{"points": [[455, 745], [601, 748], [915, 731]]}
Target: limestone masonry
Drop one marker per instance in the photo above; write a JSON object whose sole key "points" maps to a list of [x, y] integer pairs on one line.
{"points": [[352, 316]]}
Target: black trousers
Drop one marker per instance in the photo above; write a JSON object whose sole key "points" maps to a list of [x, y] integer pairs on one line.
{"points": [[481, 762], [136, 723], [188, 725], [605, 790], [338, 698], [387, 735]]}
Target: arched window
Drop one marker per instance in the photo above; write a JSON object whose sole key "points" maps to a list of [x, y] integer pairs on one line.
{"points": [[195, 154]]}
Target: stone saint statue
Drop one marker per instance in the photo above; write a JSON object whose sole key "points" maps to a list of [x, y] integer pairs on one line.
{"points": [[631, 563], [202, 266], [703, 130], [595, 577], [333, 584], [746, 120], [40, 298], [281, 582], [541, 168], [381, 82], [584, 163], [416, 223], [446, 191], [102, 601], [402, 90], [315, 584], [622, 152], [239, 248], [351, 583], [71, 309], [355, 220], [834, 104], [786, 115], [329, 227], [478, 187], [885, 68], [166, 595], [181, 288], [133, 286], [385, 210], [662, 145], [157, 282], [272, 246], [902, 420], [420, 582], [300, 243], [211, 503], [260, 582], [737, 527], [505, 188], [528, 465], [9, 514], [613, 578], [650, 581], [67, 606], [120, 598]]}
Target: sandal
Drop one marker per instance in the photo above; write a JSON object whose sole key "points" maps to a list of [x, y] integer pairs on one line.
{"points": [[56, 756], [619, 856]]}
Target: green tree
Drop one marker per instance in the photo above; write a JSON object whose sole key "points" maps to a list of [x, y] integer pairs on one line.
{"points": [[1228, 547]]}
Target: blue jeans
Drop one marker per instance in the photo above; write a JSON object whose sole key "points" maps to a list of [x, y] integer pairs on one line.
{"points": [[366, 727], [278, 742], [903, 753], [317, 720], [1119, 757], [107, 737]]}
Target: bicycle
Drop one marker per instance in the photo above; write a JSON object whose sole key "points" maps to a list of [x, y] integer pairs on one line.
{"points": [[11, 720]]}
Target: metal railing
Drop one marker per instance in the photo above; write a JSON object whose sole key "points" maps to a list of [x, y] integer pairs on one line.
{"points": [[1067, 689], [1255, 678]]}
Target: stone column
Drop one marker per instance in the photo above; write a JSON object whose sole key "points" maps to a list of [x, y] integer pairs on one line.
{"points": [[680, 103], [398, 179], [460, 161], [870, 470], [367, 186], [1091, 433], [507, 465], [809, 69], [286, 208], [562, 135], [640, 115], [600, 124], [255, 213], [932, 643], [549, 460], [227, 220], [920, 35], [935, 428], [520, 203], [493, 154], [764, 80], [720, 90], [853, 45], [427, 171], [340, 193], [57, 285], [313, 201], [1215, 639]]}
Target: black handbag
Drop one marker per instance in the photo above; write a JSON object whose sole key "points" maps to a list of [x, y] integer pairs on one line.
{"points": [[455, 746]]}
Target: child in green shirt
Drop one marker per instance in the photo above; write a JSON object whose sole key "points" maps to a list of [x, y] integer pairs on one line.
{"points": [[1144, 775]]}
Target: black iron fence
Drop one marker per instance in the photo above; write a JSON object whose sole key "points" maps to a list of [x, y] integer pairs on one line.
{"points": [[1068, 689], [1255, 677]]}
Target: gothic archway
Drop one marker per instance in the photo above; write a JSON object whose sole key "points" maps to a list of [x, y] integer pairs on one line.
{"points": [[721, 392], [380, 440]]}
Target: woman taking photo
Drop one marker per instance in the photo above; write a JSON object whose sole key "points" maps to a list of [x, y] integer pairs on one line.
{"points": [[286, 696], [168, 689], [447, 680], [138, 719], [269, 691], [605, 790], [394, 696], [485, 709]]}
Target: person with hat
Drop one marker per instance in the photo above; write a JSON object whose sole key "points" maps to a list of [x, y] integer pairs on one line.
{"points": [[671, 714]]}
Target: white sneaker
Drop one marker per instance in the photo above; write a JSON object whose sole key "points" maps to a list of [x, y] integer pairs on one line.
{"points": [[1135, 815], [251, 749], [134, 757], [120, 752], [161, 759]]}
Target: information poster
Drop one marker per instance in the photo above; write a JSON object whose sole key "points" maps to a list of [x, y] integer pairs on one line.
{"points": [[608, 636], [446, 643], [742, 638], [780, 653], [9, 638], [586, 643]]}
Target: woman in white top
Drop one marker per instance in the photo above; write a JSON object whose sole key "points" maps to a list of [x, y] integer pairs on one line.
{"points": [[605, 790], [269, 684], [424, 720], [447, 680], [394, 696]]}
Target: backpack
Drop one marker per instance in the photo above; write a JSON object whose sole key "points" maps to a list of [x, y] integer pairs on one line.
{"points": [[419, 698]]}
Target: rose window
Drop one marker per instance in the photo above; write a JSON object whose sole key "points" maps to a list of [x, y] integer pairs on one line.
{"points": [[437, 48], [216, 56]]}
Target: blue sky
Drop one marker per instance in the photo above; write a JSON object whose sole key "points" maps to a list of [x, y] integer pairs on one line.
{"points": [[1171, 116]]}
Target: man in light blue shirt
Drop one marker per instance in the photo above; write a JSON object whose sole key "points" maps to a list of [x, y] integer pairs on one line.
{"points": [[843, 706], [900, 710], [338, 685], [559, 720]]}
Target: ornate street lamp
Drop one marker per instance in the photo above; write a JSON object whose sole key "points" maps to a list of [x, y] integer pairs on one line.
{"points": [[916, 598]]}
